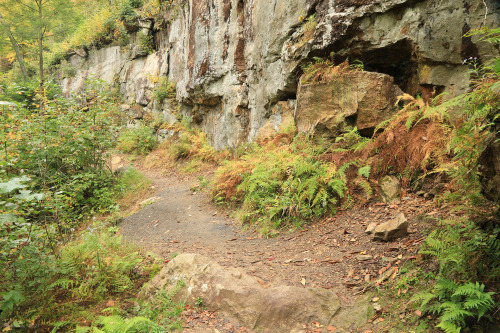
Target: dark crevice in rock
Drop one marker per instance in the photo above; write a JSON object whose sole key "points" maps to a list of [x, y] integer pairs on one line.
{"points": [[351, 120], [395, 60]]}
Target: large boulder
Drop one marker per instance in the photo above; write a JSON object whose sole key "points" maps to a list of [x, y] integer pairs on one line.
{"points": [[242, 298], [351, 98]]}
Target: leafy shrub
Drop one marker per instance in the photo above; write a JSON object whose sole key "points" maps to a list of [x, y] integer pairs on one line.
{"points": [[165, 89], [97, 29], [127, 12], [192, 143], [95, 267], [140, 140], [151, 8], [25, 93], [146, 42], [136, 3]]}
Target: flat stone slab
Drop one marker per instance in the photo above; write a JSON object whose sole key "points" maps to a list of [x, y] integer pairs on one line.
{"points": [[243, 299]]}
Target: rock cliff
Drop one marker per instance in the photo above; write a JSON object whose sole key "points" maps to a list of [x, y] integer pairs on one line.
{"points": [[233, 61]]}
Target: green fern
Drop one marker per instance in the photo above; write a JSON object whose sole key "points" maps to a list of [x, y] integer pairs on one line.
{"points": [[63, 283], [364, 171]]}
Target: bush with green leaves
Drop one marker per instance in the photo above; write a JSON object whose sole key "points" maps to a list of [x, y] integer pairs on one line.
{"points": [[53, 174], [45, 277], [127, 12], [136, 3], [146, 42], [165, 89], [137, 140]]}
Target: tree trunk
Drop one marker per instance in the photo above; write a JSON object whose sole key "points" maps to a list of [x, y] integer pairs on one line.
{"points": [[40, 54], [19, 55]]}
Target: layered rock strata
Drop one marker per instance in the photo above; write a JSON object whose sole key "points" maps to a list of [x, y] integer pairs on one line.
{"points": [[233, 61]]}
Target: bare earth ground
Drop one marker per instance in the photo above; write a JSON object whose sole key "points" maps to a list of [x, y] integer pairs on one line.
{"points": [[326, 254]]}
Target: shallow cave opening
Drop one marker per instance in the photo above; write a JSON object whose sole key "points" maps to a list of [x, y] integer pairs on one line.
{"points": [[395, 60]]}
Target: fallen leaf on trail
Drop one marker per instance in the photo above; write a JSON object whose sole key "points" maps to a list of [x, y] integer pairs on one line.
{"points": [[331, 261], [394, 273], [331, 329], [166, 261], [418, 313], [303, 281], [232, 240]]}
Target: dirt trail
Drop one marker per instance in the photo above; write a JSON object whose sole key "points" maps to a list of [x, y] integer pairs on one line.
{"points": [[325, 255]]}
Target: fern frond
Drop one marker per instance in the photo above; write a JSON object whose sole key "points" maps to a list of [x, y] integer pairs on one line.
{"points": [[365, 171], [454, 312], [449, 327], [63, 283]]}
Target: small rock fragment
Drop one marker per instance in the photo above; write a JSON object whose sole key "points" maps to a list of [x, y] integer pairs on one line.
{"points": [[371, 228], [363, 257], [393, 229], [149, 201], [377, 307]]}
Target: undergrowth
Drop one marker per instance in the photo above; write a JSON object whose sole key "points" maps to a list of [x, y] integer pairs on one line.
{"points": [[283, 182], [139, 140], [61, 261]]}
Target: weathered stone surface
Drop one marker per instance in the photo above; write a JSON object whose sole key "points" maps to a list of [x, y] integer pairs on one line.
{"points": [[281, 118], [242, 298], [371, 228], [489, 162], [133, 111], [355, 98], [247, 54], [390, 189], [393, 229]]}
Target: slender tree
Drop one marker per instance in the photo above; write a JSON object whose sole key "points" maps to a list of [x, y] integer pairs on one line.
{"points": [[33, 21], [15, 46]]}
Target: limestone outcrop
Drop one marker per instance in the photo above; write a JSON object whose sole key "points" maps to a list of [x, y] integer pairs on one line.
{"points": [[233, 61]]}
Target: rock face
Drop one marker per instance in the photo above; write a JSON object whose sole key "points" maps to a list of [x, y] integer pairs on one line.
{"points": [[351, 98], [490, 167], [282, 118], [241, 297], [393, 229], [234, 60]]}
